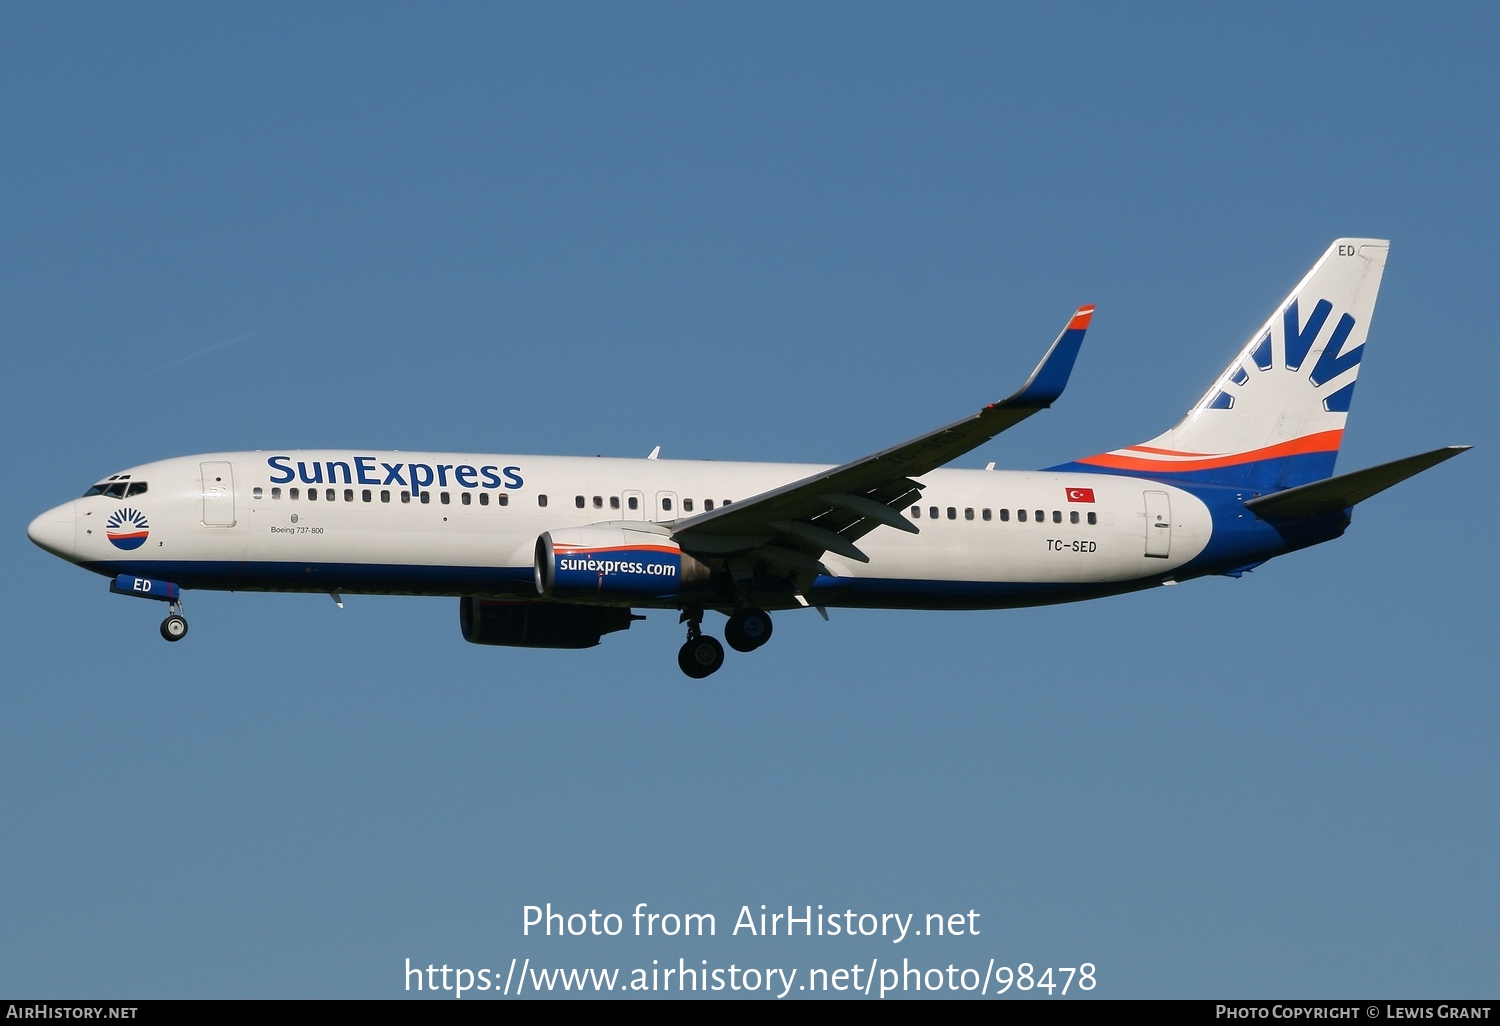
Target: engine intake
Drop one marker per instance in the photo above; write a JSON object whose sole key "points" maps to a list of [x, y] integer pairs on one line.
{"points": [[608, 563], [539, 624]]}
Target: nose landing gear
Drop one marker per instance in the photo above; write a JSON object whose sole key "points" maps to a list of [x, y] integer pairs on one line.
{"points": [[174, 627]]}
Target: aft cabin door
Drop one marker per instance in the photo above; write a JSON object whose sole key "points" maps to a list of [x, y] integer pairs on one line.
{"points": [[218, 495], [1158, 525]]}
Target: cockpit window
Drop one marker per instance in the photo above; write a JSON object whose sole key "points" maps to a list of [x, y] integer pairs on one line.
{"points": [[115, 486]]}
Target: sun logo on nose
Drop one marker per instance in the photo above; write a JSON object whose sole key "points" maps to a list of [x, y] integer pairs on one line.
{"points": [[126, 528]]}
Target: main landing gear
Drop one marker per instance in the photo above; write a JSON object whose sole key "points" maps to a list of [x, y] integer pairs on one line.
{"points": [[748, 629], [702, 654], [174, 627]]}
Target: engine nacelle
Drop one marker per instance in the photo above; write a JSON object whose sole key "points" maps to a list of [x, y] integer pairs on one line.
{"points": [[609, 563], [539, 624]]}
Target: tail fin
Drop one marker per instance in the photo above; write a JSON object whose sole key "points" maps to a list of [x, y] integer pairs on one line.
{"points": [[1275, 417]]}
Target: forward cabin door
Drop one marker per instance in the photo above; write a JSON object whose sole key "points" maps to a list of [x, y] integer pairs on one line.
{"points": [[1158, 525], [218, 494]]}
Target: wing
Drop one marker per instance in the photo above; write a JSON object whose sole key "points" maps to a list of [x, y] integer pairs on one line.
{"points": [[793, 525]]}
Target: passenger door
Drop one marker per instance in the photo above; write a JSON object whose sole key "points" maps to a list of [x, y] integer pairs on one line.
{"points": [[1158, 525], [218, 494]]}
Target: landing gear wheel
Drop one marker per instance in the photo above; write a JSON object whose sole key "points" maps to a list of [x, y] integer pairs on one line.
{"points": [[174, 627], [748, 629], [700, 656]]}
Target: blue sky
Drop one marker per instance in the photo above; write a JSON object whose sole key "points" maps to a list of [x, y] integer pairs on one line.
{"points": [[743, 232]]}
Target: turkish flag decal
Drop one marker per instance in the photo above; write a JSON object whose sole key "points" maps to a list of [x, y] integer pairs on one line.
{"points": [[1080, 495]]}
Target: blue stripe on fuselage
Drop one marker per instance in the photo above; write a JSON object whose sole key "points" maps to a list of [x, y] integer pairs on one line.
{"points": [[1261, 476]]}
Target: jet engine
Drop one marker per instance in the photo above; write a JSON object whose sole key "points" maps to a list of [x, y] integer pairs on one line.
{"points": [[609, 563]]}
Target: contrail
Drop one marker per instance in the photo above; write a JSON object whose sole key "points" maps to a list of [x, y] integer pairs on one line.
{"points": [[192, 356]]}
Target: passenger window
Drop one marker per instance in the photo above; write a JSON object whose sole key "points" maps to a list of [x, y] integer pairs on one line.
{"points": [[1093, 518], [541, 500], [578, 501], [614, 502], [1021, 515], [425, 497], [952, 513], [633, 503], [256, 492], [139, 488], [294, 493], [598, 502], [275, 493], [502, 499], [312, 495], [932, 511], [365, 495], [484, 498], [465, 498], [724, 503], [1073, 516], [1004, 515], [405, 495], [385, 495], [969, 513], [984, 513], [916, 512], [666, 504], [331, 495], [1041, 516], [687, 505], [708, 504], [348, 494]]}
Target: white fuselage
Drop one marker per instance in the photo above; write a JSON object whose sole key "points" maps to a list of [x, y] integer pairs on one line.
{"points": [[231, 520]]}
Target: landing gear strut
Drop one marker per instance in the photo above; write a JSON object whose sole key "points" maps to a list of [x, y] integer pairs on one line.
{"points": [[701, 654], [748, 629], [174, 627]]}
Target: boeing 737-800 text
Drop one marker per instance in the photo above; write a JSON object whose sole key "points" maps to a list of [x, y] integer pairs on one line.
{"points": [[556, 552]]}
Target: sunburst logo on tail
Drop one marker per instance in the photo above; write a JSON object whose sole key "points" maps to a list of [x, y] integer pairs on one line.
{"points": [[126, 528]]}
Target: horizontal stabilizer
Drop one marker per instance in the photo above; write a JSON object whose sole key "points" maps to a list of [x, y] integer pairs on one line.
{"points": [[1336, 493]]}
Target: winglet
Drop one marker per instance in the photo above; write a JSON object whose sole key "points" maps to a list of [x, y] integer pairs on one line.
{"points": [[1051, 375]]}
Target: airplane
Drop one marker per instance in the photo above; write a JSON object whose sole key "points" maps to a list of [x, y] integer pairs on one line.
{"points": [[556, 552]]}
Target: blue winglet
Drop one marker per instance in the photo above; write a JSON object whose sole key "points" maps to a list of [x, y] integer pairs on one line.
{"points": [[1051, 375]]}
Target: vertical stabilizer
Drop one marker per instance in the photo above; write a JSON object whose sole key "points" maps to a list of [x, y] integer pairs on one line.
{"points": [[1275, 417]]}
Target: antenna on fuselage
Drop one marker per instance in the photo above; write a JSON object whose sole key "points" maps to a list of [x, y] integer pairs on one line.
{"points": [[654, 453]]}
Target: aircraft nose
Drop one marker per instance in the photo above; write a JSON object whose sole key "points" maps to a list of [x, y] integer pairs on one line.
{"points": [[53, 530]]}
